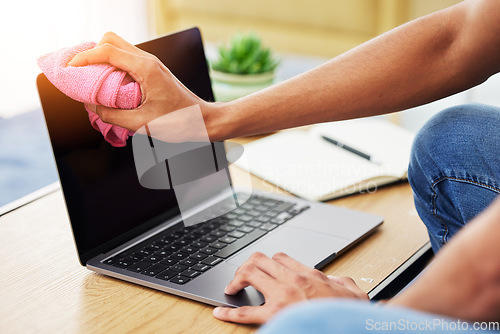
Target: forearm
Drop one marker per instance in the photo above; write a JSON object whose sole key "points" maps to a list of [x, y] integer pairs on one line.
{"points": [[464, 279], [414, 64]]}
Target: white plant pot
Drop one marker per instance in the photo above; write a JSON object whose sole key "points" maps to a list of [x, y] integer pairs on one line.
{"points": [[228, 86]]}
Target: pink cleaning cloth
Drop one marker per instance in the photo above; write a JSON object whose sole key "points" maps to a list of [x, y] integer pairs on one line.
{"points": [[100, 84]]}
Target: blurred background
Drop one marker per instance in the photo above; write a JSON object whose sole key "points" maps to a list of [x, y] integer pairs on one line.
{"points": [[304, 33]]}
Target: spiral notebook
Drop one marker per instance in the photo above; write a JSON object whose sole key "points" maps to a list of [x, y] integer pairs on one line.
{"points": [[303, 163]]}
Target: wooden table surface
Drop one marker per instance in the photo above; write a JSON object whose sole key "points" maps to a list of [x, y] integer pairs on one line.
{"points": [[43, 288]]}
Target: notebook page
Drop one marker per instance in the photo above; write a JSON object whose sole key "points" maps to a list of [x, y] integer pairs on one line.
{"points": [[306, 165], [388, 142]]}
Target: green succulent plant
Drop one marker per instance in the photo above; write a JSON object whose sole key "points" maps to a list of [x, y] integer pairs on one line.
{"points": [[244, 54]]}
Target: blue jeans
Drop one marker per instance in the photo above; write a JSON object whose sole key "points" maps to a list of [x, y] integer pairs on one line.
{"points": [[352, 317], [454, 169], [455, 174]]}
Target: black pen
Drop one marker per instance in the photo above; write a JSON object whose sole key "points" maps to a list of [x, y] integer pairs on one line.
{"points": [[352, 150]]}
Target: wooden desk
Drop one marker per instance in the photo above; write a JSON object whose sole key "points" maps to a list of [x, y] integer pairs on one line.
{"points": [[43, 288]]}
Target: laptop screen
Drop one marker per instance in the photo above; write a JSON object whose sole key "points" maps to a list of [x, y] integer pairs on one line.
{"points": [[106, 204]]}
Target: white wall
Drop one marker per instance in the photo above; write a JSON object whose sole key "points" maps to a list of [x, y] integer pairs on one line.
{"points": [[31, 28]]}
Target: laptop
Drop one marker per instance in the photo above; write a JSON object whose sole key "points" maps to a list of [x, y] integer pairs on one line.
{"points": [[134, 233]]}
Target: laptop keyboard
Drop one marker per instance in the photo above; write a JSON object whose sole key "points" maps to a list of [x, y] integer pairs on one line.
{"points": [[181, 254]]}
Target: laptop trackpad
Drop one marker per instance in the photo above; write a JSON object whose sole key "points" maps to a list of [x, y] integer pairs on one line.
{"points": [[306, 246]]}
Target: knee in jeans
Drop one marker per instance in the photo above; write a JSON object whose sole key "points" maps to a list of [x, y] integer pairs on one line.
{"points": [[442, 137], [434, 134]]}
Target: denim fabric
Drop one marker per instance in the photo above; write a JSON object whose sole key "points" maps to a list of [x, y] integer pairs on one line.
{"points": [[454, 169], [353, 316]]}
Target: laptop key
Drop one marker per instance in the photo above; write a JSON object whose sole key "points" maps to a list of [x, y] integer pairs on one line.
{"points": [[208, 250], [189, 249], [283, 206], [254, 223], [178, 267], [188, 262], [236, 223], [236, 234], [271, 213], [165, 242], [239, 244], [254, 213], [154, 247], [261, 208], [153, 258], [218, 245], [169, 261], [227, 239], [255, 201], [139, 266], [180, 255], [245, 218], [208, 238], [166, 274], [122, 264], [283, 216], [182, 242], [132, 258], [201, 267], [173, 248], [226, 228], [155, 269], [198, 256], [245, 229], [298, 209], [190, 273], [248, 206], [143, 253], [269, 202], [231, 215], [163, 253], [268, 226], [202, 231], [180, 280], [191, 237], [218, 233], [211, 260], [198, 244], [238, 211]]}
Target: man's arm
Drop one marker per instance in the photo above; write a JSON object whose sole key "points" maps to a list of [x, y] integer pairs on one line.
{"points": [[424, 60], [419, 62], [464, 279]]}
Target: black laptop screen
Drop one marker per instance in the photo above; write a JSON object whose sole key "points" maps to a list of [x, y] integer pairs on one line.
{"points": [[105, 202]]}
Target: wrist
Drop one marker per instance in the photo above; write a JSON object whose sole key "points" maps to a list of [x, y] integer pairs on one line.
{"points": [[218, 121]]}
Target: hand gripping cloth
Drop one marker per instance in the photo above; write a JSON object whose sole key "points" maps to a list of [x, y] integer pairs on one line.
{"points": [[99, 84]]}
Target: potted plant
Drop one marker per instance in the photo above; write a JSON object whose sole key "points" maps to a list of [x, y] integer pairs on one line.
{"points": [[244, 66]]}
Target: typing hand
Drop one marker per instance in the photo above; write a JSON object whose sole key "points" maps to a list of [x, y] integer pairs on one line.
{"points": [[161, 92], [283, 281]]}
